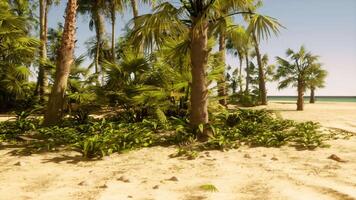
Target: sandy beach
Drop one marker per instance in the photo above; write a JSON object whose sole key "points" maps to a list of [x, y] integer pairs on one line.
{"points": [[149, 173]]}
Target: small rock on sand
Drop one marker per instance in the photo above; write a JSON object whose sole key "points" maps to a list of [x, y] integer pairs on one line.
{"points": [[247, 155], [173, 178], [336, 158], [124, 179], [274, 158], [19, 163]]}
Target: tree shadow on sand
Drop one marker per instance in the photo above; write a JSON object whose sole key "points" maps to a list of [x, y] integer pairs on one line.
{"points": [[68, 159]]}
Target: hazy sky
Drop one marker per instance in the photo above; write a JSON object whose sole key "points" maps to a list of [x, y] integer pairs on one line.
{"points": [[325, 27]]}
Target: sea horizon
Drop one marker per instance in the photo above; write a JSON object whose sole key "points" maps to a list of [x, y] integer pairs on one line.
{"points": [[318, 98]]}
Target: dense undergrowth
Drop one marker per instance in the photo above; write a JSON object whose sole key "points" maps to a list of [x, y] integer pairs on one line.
{"points": [[97, 138]]}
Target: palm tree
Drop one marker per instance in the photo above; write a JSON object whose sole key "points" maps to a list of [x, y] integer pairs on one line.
{"points": [[96, 9], [113, 7], [54, 110], [295, 71], [261, 27], [238, 44], [135, 8], [42, 81], [169, 21], [17, 53], [315, 79]]}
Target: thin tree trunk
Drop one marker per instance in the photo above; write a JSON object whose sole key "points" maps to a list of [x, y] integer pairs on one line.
{"points": [[55, 106], [300, 101], [261, 73], [221, 82], [134, 8], [247, 89], [199, 91], [240, 73], [100, 39], [113, 20], [312, 95], [42, 82]]}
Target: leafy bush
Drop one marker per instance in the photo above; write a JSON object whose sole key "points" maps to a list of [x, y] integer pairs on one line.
{"points": [[307, 135], [227, 130], [107, 137]]}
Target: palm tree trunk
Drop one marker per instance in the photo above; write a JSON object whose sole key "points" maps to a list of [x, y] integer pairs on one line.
{"points": [[113, 20], [134, 8], [300, 101], [240, 72], [42, 82], [247, 89], [199, 91], [221, 82], [261, 73], [55, 106], [312, 95], [100, 33]]}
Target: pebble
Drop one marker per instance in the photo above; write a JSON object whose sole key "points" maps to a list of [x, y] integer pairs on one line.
{"points": [[247, 156], [124, 179], [173, 178]]}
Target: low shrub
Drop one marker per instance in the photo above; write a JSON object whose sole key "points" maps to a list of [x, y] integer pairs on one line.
{"points": [[227, 130]]}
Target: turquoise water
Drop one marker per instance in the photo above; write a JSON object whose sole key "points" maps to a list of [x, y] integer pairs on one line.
{"points": [[322, 98]]}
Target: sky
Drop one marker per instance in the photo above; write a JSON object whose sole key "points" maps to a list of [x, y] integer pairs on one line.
{"points": [[326, 27]]}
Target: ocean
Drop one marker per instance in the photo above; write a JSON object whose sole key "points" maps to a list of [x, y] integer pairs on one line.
{"points": [[318, 98]]}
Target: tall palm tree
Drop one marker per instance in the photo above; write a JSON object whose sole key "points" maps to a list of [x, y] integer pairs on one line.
{"points": [[238, 40], [192, 18], [42, 80], [54, 110], [261, 27], [295, 71], [95, 8], [114, 6], [315, 79]]}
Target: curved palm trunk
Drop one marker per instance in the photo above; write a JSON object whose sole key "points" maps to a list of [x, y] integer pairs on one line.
{"points": [[54, 110], [221, 82], [312, 95], [199, 92], [247, 89], [300, 100], [42, 82], [261, 73]]}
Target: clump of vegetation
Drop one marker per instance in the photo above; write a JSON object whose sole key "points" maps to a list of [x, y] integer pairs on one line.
{"points": [[209, 188], [228, 130], [306, 135]]}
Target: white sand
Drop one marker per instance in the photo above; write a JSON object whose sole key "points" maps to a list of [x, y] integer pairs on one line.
{"points": [[296, 174]]}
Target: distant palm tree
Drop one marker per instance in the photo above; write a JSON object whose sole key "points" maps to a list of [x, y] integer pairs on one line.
{"points": [[261, 27], [54, 110], [96, 9], [42, 79], [114, 6], [315, 79], [295, 71]]}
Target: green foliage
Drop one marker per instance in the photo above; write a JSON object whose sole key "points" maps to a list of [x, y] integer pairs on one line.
{"points": [[307, 135], [107, 137], [17, 53], [185, 152], [209, 188], [227, 130]]}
